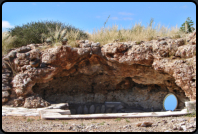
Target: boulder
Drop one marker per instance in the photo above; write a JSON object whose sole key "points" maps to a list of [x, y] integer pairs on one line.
{"points": [[35, 102]]}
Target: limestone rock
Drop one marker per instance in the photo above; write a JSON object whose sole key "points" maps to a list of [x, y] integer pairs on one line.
{"points": [[5, 94], [192, 38], [129, 69], [19, 101], [35, 102], [186, 51], [6, 88], [4, 100], [95, 44]]}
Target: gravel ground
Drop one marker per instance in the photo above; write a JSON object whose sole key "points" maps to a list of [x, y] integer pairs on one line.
{"points": [[160, 124]]}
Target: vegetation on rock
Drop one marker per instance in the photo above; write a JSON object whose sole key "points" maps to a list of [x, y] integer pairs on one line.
{"points": [[54, 32], [187, 26]]}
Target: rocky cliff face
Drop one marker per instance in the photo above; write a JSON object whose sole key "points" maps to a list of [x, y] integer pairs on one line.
{"points": [[139, 74]]}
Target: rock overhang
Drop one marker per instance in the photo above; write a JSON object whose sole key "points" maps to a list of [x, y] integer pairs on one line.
{"points": [[114, 69]]}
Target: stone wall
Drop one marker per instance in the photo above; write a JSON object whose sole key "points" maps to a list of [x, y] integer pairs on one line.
{"points": [[139, 75]]}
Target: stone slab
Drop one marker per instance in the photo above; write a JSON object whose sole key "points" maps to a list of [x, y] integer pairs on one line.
{"points": [[53, 111], [113, 115], [59, 106]]}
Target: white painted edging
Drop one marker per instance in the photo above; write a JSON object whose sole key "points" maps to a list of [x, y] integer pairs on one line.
{"points": [[47, 115]]}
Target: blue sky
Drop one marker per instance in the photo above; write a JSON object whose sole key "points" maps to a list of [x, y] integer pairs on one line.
{"points": [[170, 103], [89, 15]]}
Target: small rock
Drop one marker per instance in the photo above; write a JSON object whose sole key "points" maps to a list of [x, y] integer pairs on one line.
{"points": [[173, 120], [175, 128], [165, 121], [193, 119], [70, 128], [190, 126], [86, 45], [95, 44], [182, 119], [86, 41], [154, 125], [183, 123], [125, 126], [183, 127], [163, 43], [144, 124], [179, 128]]}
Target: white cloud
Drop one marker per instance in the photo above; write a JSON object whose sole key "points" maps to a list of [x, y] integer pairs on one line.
{"points": [[33, 3], [6, 24], [114, 18], [127, 18], [98, 17], [184, 6], [125, 13]]}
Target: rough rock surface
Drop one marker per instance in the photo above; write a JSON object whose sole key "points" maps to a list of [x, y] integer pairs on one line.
{"points": [[137, 74]]}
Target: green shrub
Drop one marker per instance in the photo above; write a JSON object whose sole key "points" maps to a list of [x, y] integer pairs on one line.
{"points": [[39, 32]]}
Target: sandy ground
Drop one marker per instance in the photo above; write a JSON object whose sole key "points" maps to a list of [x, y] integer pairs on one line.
{"points": [[35, 124]]}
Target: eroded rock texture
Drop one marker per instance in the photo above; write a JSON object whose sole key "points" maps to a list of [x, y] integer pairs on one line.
{"points": [[139, 75]]}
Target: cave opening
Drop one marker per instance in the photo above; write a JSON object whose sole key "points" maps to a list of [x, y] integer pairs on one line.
{"points": [[95, 86], [102, 93]]}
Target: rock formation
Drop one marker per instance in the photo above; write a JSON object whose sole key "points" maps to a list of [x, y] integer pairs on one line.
{"points": [[137, 74]]}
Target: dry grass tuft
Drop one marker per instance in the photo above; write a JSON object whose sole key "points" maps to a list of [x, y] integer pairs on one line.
{"points": [[135, 33], [7, 42]]}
